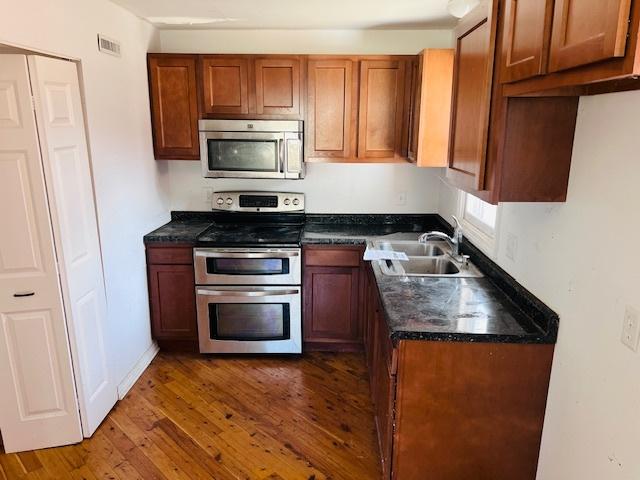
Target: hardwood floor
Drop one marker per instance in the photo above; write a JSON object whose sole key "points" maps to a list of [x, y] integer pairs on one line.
{"points": [[197, 417]]}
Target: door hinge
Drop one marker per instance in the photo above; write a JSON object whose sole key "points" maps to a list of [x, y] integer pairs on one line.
{"points": [[33, 103]]}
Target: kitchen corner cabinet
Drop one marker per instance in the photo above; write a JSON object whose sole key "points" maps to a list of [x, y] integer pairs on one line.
{"points": [[174, 106], [504, 149], [252, 86], [172, 298], [331, 297], [432, 77], [569, 47], [421, 391]]}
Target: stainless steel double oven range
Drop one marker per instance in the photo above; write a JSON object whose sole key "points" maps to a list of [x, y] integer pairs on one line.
{"points": [[248, 273]]}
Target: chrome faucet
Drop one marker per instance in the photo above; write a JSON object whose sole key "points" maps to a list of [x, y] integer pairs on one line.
{"points": [[453, 241]]}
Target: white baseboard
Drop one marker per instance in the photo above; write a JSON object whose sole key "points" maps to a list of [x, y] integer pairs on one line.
{"points": [[140, 366]]}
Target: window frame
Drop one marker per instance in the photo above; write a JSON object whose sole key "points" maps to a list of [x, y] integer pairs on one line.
{"points": [[479, 236]]}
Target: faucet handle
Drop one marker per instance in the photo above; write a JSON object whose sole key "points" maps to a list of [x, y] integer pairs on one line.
{"points": [[456, 222]]}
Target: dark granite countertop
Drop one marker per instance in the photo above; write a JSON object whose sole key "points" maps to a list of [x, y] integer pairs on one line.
{"points": [[494, 308]]}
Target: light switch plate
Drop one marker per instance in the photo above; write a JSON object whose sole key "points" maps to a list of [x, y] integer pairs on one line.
{"points": [[631, 328]]}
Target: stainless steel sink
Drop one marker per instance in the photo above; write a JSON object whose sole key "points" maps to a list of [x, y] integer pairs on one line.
{"points": [[429, 266], [414, 249], [430, 259]]}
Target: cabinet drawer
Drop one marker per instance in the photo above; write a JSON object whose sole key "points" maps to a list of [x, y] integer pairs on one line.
{"points": [[169, 256], [332, 257]]}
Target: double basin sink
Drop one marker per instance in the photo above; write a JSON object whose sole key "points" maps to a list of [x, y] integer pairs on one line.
{"points": [[430, 259]]}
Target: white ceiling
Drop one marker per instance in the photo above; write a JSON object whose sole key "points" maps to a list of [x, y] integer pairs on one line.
{"points": [[295, 14]]}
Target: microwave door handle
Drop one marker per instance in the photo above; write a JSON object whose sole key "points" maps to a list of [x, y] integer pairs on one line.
{"points": [[246, 255], [281, 154], [239, 293]]}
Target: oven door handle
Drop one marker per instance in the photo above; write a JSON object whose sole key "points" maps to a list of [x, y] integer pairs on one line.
{"points": [[247, 293], [246, 254]]}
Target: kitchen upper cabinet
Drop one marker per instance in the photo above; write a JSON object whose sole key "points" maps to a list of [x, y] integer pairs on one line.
{"points": [[383, 120], [225, 83], [250, 86], [174, 106], [527, 31], [331, 296], [172, 297], [278, 86], [588, 31], [504, 149], [475, 48], [431, 81], [332, 96], [569, 47]]}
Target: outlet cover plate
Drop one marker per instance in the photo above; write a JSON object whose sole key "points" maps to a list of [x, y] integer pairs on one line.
{"points": [[631, 328]]}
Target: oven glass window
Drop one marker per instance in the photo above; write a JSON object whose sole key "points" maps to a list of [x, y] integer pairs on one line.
{"points": [[243, 155], [247, 266], [249, 321]]}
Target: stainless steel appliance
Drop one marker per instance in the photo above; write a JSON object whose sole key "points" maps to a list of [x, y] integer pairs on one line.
{"points": [[248, 275], [252, 148]]}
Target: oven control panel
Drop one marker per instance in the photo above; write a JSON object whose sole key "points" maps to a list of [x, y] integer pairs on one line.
{"points": [[258, 201]]}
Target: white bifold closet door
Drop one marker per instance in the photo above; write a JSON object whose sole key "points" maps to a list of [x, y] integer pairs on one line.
{"points": [[46, 195]]}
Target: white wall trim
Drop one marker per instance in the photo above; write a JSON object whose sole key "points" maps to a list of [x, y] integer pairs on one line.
{"points": [[137, 370]]}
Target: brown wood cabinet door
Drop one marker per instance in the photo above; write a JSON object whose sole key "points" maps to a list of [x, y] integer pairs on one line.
{"points": [[173, 302], [472, 83], [525, 44], [382, 117], [331, 109], [225, 83], [278, 86], [174, 106], [331, 297], [588, 31]]}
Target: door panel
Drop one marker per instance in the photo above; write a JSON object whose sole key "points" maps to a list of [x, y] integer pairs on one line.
{"points": [[382, 90], [278, 86], [38, 406], [330, 103], [526, 38], [475, 45], [588, 31], [174, 106], [173, 302], [225, 84], [66, 165]]}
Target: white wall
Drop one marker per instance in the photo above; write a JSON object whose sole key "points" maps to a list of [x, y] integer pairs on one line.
{"points": [[347, 188], [328, 188], [131, 189], [389, 42], [581, 258]]}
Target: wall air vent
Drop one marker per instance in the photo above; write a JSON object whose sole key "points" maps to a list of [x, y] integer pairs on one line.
{"points": [[108, 45]]}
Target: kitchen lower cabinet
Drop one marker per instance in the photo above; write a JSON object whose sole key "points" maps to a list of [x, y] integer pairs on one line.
{"points": [[452, 410], [331, 296], [172, 298]]}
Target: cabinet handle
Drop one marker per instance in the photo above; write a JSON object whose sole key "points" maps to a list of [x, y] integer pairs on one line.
{"points": [[24, 294]]}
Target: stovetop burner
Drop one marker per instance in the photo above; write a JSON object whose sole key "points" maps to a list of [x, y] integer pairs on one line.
{"points": [[258, 234]]}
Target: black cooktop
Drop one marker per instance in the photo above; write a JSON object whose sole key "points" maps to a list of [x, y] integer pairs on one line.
{"points": [[247, 230]]}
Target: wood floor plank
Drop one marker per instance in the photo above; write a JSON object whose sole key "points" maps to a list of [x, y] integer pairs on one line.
{"points": [[202, 417]]}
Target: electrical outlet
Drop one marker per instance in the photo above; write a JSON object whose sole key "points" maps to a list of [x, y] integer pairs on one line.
{"points": [[631, 328], [401, 198], [207, 194], [512, 246]]}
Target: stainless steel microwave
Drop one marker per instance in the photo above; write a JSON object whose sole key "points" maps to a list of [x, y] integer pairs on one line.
{"points": [[251, 149]]}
